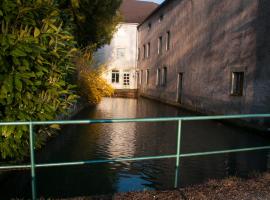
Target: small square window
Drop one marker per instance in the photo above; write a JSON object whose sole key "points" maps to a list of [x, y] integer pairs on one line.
{"points": [[120, 53], [126, 79], [237, 84]]}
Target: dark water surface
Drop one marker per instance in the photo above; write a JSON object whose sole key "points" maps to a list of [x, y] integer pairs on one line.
{"points": [[103, 141]]}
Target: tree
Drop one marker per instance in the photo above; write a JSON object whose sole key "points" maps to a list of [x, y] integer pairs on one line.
{"points": [[39, 41], [94, 21]]}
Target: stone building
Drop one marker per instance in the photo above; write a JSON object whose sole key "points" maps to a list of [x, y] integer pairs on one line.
{"points": [[120, 56], [211, 56]]}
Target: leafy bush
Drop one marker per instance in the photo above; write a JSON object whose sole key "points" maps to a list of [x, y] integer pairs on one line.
{"points": [[91, 84], [38, 40], [35, 68]]}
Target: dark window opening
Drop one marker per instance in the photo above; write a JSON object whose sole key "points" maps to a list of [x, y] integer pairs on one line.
{"points": [[237, 84]]}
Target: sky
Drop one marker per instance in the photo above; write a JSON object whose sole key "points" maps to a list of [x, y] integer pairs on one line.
{"points": [[156, 1]]}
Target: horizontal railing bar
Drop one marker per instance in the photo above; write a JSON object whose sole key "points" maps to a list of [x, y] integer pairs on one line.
{"points": [[88, 162], [107, 161], [135, 158], [13, 167], [224, 151], [124, 120]]}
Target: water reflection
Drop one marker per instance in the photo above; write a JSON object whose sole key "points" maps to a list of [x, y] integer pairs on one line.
{"points": [[102, 141]]}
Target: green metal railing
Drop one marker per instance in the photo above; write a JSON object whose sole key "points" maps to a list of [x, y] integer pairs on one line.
{"points": [[178, 154]]}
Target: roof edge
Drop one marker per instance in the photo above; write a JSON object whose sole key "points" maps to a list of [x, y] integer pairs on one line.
{"points": [[154, 11]]}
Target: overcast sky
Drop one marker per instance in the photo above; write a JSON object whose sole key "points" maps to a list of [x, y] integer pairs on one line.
{"points": [[156, 1]]}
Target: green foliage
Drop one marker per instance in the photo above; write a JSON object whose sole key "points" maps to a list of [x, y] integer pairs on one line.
{"points": [[95, 21], [38, 40], [35, 68]]}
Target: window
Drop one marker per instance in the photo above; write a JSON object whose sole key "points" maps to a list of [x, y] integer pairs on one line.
{"points": [[147, 77], [161, 17], [139, 53], [141, 77], [158, 77], [115, 76], [168, 40], [148, 50], [120, 52], [144, 51], [237, 83], [149, 26], [164, 76], [138, 77], [126, 79], [160, 45]]}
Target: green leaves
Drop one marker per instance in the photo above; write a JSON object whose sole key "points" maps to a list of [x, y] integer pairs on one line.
{"points": [[36, 55], [36, 32], [18, 84], [18, 53]]}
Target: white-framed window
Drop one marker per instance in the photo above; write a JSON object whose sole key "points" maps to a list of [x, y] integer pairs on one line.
{"points": [[115, 76], [237, 83], [126, 78], [147, 76], [164, 76], [148, 50], [168, 41], [120, 52], [160, 45]]}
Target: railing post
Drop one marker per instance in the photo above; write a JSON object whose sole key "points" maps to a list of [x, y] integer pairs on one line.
{"points": [[178, 153], [32, 156]]}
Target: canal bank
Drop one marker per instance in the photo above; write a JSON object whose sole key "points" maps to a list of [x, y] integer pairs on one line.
{"points": [[261, 126]]}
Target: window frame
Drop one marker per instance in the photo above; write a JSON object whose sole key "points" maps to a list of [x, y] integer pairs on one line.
{"points": [[144, 51], [126, 79], [115, 78], [168, 40], [164, 76], [160, 45], [148, 50], [237, 83], [147, 74]]}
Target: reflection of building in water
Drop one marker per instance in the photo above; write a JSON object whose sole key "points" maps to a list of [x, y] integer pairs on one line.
{"points": [[121, 140]]}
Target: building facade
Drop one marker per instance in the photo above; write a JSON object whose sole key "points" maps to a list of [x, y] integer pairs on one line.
{"points": [[120, 56], [210, 56]]}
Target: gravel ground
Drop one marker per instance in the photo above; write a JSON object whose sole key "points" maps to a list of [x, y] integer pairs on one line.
{"points": [[227, 189]]}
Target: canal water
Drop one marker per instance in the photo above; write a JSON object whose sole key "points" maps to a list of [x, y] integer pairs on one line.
{"points": [[103, 141]]}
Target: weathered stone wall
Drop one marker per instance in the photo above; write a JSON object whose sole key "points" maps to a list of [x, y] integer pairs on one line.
{"points": [[209, 40]]}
